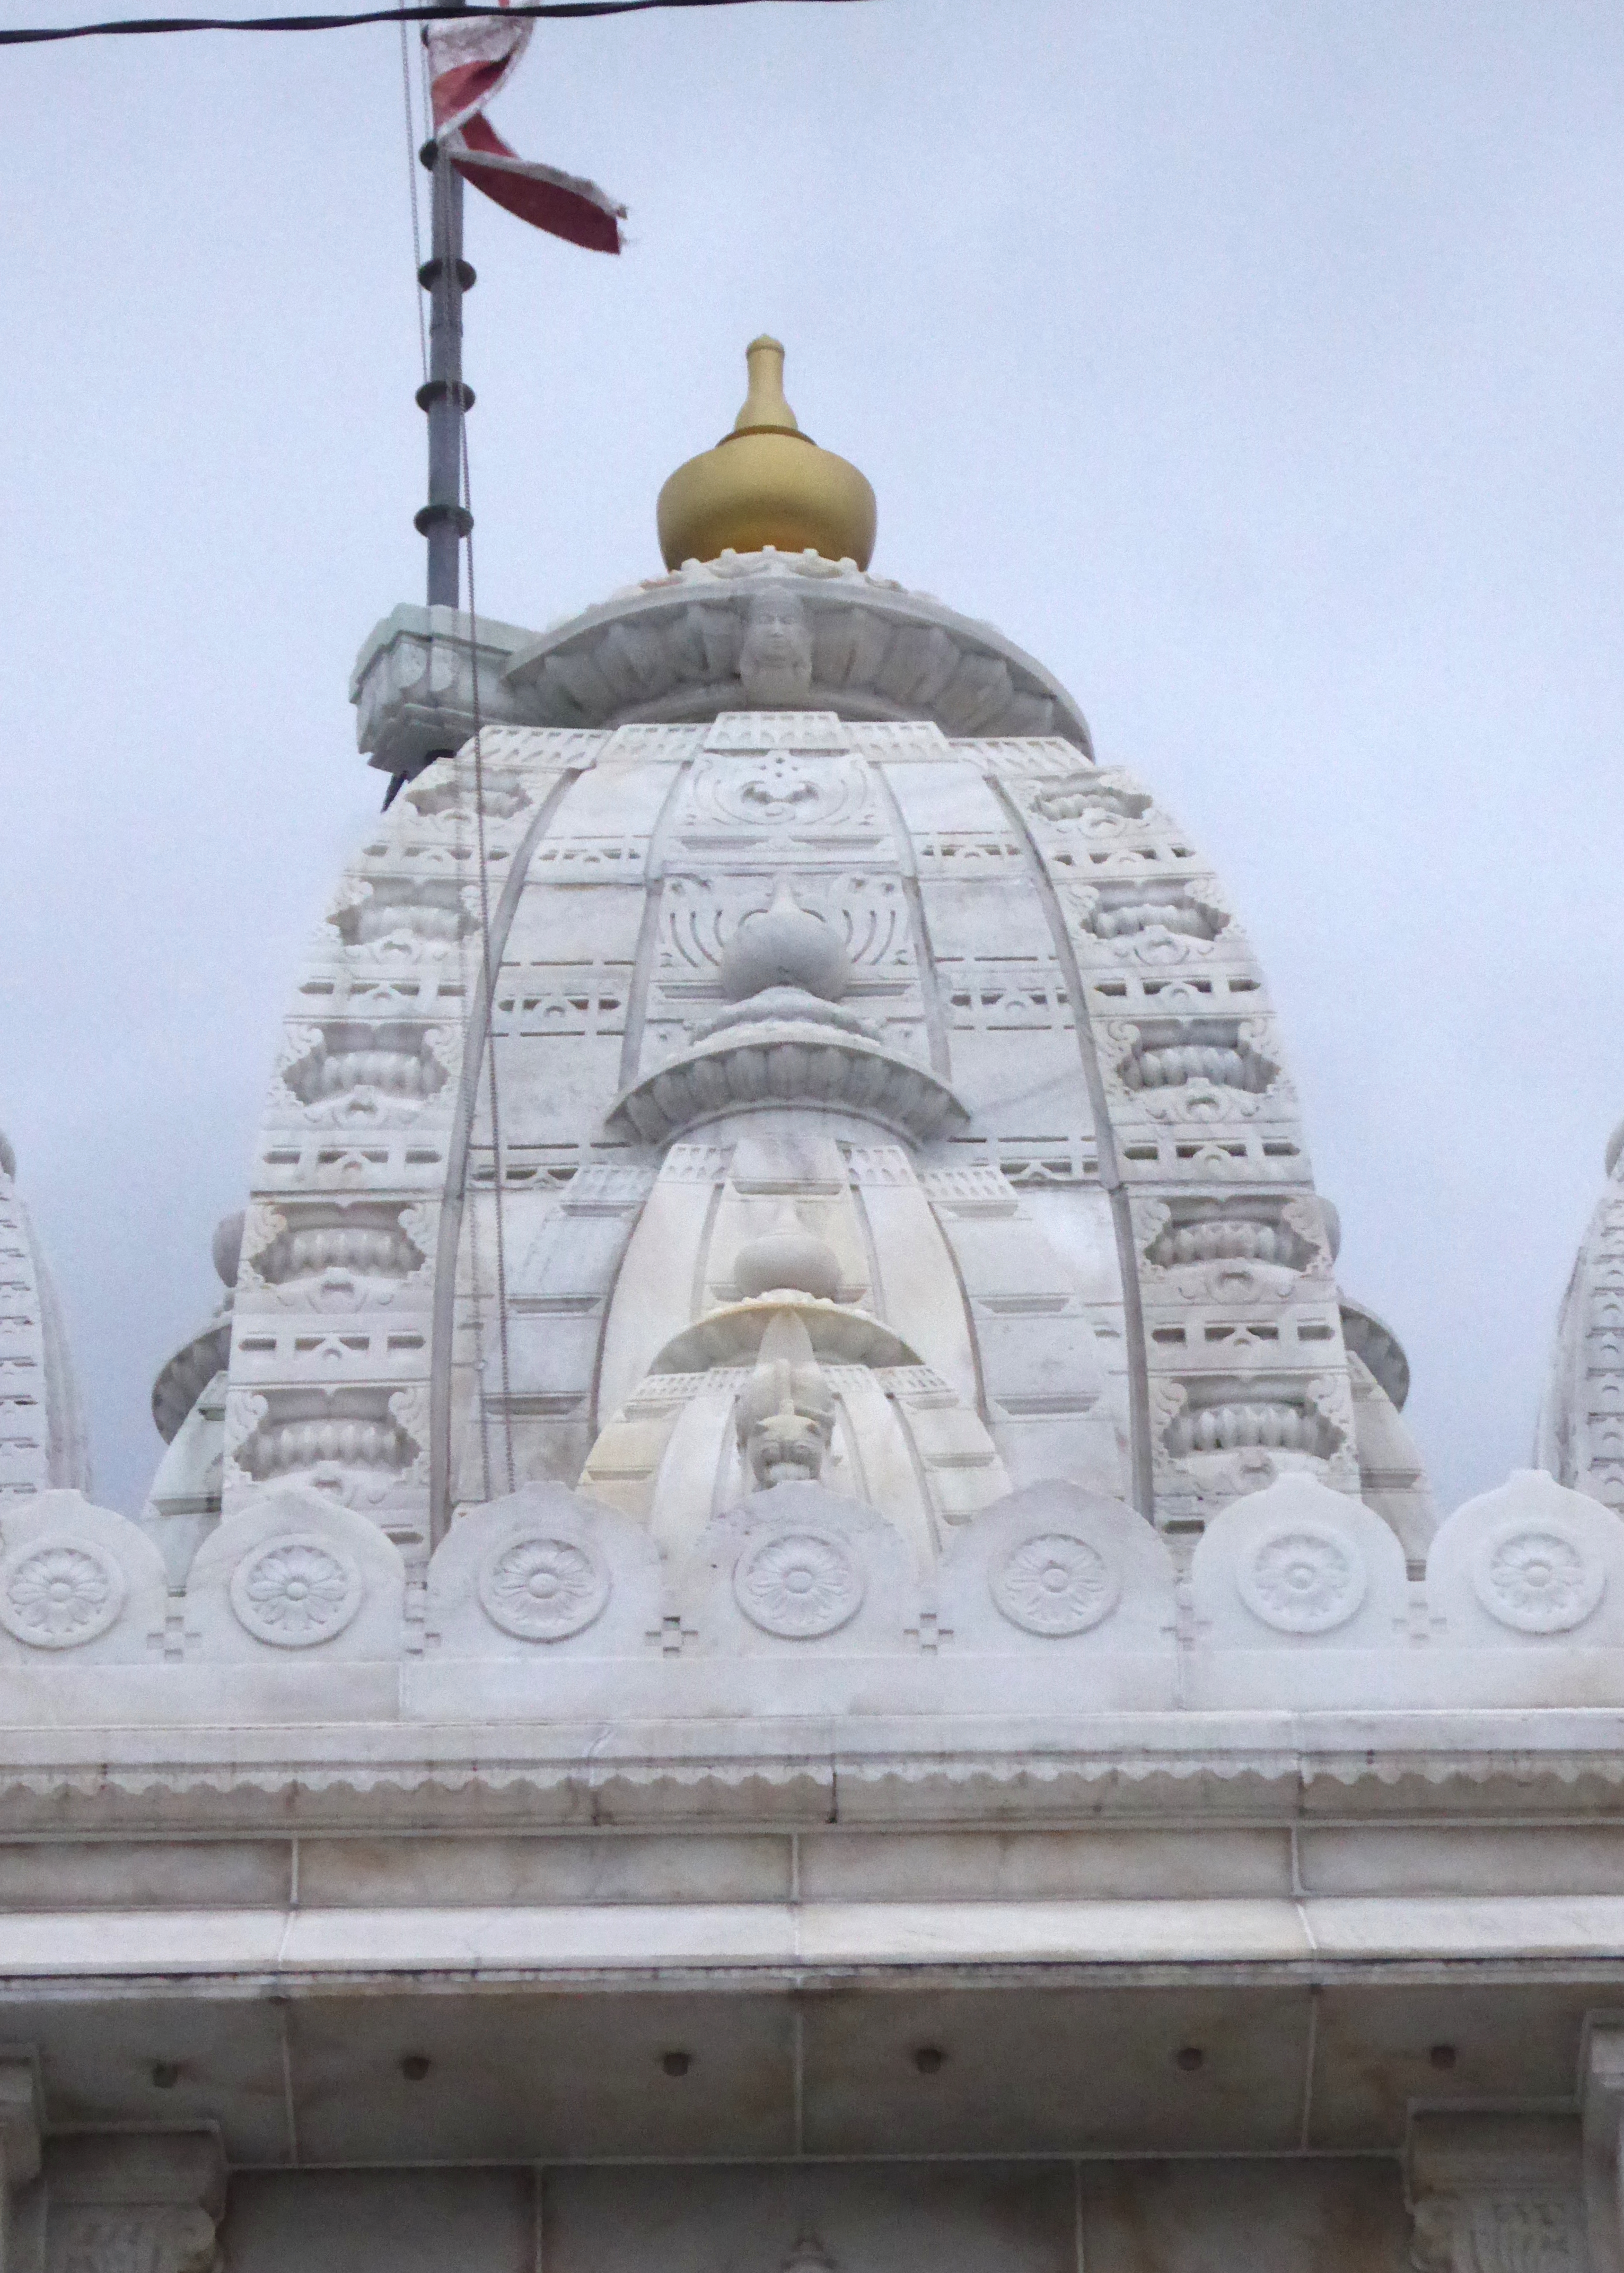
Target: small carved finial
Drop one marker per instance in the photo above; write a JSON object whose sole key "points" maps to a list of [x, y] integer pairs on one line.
{"points": [[788, 1258], [764, 408], [1333, 1226], [784, 946], [227, 1248]]}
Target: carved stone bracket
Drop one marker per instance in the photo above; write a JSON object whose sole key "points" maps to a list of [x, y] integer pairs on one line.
{"points": [[1495, 2194], [134, 2203]]}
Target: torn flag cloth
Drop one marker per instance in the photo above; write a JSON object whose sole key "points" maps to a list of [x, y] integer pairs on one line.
{"points": [[468, 65]]}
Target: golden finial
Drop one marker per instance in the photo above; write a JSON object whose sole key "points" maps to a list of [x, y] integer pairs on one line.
{"points": [[766, 484]]}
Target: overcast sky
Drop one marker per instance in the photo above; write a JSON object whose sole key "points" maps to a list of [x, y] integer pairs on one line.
{"points": [[1258, 366]]}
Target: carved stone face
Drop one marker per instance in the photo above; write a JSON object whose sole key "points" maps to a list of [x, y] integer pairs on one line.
{"points": [[776, 658]]}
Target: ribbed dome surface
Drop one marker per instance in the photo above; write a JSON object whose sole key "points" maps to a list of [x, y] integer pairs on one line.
{"points": [[42, 1437], [952, 1036]]}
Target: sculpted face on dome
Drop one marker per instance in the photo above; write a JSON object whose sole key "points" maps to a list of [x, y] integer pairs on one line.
{"points": [[775, 654]]}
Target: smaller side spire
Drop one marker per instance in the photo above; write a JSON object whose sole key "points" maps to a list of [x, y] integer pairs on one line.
{"points": [[43, 1441]]}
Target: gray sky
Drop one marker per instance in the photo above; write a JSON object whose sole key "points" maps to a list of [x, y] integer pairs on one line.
{"points": [[1256, 366]]}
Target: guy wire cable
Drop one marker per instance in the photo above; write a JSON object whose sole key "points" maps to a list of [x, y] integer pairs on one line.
{"points": [[554, 10], [488, 1037]]}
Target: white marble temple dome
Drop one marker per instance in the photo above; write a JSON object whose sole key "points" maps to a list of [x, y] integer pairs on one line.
{"points": [[813, 922], [786, 1623]]}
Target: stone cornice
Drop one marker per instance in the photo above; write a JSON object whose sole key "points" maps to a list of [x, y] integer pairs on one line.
{"points": [[669, 649], [1281, 1768]]}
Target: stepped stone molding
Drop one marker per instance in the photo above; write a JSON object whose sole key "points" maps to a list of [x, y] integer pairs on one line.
{"points": [[43, 1445], [788, 1061], [334, 1308], [1247, 1371]]}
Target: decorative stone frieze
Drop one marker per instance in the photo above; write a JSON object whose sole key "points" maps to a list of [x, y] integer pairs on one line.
{"points": [[800, 1583], [1494, 2193], [800, 1569], [134, 2203], [1055, 1583], [542, 1587]]}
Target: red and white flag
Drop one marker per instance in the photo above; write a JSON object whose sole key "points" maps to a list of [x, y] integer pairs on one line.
{"points": [[469, 63]]}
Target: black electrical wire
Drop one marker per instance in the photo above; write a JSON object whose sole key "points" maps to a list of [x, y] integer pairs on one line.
{"points": [[124, 26]]}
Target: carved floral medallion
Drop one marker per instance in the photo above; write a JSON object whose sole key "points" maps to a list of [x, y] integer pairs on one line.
{"points": [[1537, 1578], [798, 1584], [295, 1590], [542, 1589], [1056, 1584], [1304, 1579], [56, 1595]]}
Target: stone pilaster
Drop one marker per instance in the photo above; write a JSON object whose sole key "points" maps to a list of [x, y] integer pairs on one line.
{"points": [[19, 2150], [1601, 2083]]}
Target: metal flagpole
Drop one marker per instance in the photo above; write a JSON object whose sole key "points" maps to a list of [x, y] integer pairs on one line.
{"points": [[445, 276]]}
